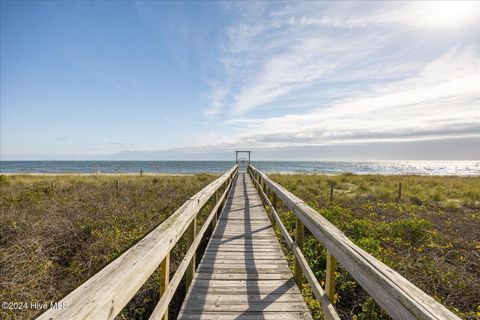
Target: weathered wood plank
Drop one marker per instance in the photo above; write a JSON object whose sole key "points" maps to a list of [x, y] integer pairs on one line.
{"points": [[235, 290], [243, 273], [245, 307], [245, 299], [243, 262], [246, 315], [244, 276]]}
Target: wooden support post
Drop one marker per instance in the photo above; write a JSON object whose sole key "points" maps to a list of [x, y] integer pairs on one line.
{"points": [[273, 201], [215, 216], [331, 193], [164, 279], [191, 234], [117, 184], [264, 188], [299, 236], [224, 199], [399, 192], [330, 281]]}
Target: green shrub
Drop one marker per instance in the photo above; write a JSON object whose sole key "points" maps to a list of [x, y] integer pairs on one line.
{"points": [[370, 310], [3, 180], [414, 230]]}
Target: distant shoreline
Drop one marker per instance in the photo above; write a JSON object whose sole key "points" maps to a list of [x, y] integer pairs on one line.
{"points": [[113, 174], [425, 168], [167, 174]]}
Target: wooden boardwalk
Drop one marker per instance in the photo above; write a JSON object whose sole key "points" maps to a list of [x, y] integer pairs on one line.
{"points": [[243, 273]]}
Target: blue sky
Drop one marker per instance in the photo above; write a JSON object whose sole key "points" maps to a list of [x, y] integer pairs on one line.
{"points": [[196, 80]]}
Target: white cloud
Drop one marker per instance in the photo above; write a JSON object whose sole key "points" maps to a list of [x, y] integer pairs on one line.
{"points": [[441, 101], [216, 97], [332, 74]]}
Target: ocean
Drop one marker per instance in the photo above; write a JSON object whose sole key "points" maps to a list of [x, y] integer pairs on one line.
{"points": [[461, 168]]}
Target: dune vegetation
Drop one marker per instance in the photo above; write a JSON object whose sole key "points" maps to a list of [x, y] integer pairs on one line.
{"points": [[431, 236], [58, 231]]}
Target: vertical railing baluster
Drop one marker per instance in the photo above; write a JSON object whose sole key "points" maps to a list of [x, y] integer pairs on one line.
{"points": [[274, 205], [299, 237], [215, 216], [330, 278], [164, 279], [191, 235]]}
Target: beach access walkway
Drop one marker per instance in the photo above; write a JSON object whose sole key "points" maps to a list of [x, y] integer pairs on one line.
{"points": [[243, 273]]}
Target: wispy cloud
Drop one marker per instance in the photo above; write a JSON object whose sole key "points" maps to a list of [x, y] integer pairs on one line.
{"points": [[441, 101], [216, 97], [321, 74], [103, 69]]}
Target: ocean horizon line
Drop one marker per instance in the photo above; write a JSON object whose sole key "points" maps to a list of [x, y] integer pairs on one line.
{"points": [[263, 160], [386, 167]]}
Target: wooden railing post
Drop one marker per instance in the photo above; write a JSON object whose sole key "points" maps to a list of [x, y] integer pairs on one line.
{"points": [[274, 206], [330, 279], [191, 234], [262, 187], [164, 279], [399, 192], [215, 217], [299, 237], [331, 193]]}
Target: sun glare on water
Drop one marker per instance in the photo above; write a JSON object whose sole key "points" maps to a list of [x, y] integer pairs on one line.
{"points": [[445, 14]]}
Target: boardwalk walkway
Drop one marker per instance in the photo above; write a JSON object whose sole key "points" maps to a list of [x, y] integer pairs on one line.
{"points": [[244, 273]]}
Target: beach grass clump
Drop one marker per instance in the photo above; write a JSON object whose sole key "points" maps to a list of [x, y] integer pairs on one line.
{"points": [[58, 231], [428, 233]]}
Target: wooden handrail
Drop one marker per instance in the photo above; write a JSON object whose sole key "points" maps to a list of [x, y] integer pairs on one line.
{"points": [[328, 308], [400, 298], [162, 306], [105, 294]]}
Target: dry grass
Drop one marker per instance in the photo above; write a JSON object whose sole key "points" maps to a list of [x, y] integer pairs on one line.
{"points": [[58, 231]]}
